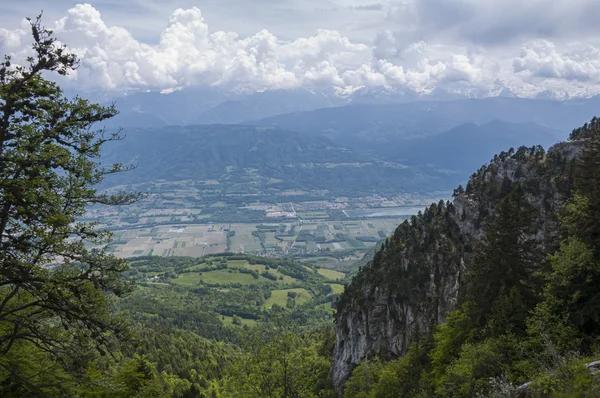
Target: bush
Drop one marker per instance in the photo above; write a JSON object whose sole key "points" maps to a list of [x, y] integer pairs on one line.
{"points": [[470, 373], [269, 275]]}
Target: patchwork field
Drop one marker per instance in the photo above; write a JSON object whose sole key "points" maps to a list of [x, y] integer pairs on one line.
{"points": [[195, 275], [330, 244]]}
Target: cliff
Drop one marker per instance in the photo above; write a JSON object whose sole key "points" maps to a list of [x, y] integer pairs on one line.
{"points": [[418, 276]]}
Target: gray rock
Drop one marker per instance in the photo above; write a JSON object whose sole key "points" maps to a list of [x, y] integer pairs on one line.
{"points": [[384, 321]]}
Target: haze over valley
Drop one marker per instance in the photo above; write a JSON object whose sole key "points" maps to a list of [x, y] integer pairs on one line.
{"points": [[387, 161]]}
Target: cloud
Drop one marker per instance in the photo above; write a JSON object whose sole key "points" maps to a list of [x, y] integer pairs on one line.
{"points": [[495, 22], [370, 7], [420, 65], [188, 53], [541, 59], [14, 41]]}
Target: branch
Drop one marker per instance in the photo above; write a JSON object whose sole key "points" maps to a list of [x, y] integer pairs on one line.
{"points": [[8, 297]]}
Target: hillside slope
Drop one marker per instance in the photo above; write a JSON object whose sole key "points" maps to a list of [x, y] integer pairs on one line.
{"points": [[465, 148], [371, 124], [418, 277], [248, 159]]}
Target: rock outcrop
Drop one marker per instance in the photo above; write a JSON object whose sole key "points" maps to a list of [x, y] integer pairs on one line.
{"points": [[417, 277]]}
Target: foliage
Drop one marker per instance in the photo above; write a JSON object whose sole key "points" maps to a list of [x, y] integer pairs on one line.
{"points": [[500, 281], [55, 295], [470, 372], [277, 361], [529, 310], [569, 378]]}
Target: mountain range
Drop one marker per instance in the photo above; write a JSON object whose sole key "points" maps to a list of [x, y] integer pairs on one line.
{"points": [[251, 159], [209, 105], [382, 142], [244, 159]]}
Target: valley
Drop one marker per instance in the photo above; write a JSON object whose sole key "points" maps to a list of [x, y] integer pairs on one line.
{"points": [[332, 233]]}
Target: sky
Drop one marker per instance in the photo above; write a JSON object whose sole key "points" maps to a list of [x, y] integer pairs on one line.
{"points": [[459, 45]]}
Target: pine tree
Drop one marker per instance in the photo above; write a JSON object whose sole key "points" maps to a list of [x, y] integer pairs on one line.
{"points": [[504, 264], [587, 184]]}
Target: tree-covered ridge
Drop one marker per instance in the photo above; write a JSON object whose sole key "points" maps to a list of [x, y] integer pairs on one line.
{"points": [[248, 159], [522, 243]]}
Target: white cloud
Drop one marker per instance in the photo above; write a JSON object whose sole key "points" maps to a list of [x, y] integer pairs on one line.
{"points": [[541, 59], [188, 53], [15, 42]]}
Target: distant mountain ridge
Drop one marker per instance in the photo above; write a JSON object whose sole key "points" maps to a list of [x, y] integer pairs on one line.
{"points": [[245, 159], [415, 119], [421, 133], [209, 105], [468, 146], [250, 158]]}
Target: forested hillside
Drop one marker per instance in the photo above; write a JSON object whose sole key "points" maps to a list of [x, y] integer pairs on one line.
{"points": [[248, 159], [480, 295]]}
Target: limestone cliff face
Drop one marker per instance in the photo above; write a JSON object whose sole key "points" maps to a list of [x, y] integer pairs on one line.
{"points": [[418, 276]]}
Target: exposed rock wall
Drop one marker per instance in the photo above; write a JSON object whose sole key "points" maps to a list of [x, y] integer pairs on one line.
{"points": [[418, 277]]}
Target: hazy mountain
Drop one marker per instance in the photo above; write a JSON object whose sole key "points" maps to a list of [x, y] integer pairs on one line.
{"points": [[246, 159], [210, 105], [381, 128], [262, 158], [466, 147], [154, 109], [269, 103]]}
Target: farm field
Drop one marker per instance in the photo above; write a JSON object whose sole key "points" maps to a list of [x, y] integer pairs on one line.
{"points": [[337, 288], [228, 320], [230, 274], [280, 297], [326, 243], [234, 289], [331, 274], [218, 277]]}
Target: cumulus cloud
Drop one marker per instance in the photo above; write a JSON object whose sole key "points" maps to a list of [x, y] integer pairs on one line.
{"points": [[541, 59], [188, 53], [420, 65], [14, 42]]}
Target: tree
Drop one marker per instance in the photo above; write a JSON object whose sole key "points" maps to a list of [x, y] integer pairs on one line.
{"points": [[55, 293], [277, 362], [587, 183], [503, 266], [568, 314]]}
